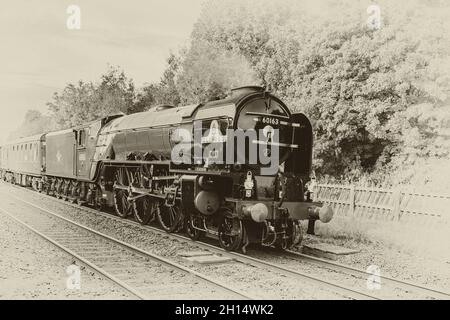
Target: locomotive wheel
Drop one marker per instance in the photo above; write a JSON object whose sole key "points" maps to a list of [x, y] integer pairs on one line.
{"points": [[169, 218], [74, 192], [121, 204], [99, 206], [192, 232], [231, 233], [144, 210], [182, 222], [295, 237], [98, 202], [65, 190], [45, 188], [58, 190], [297, 234]]}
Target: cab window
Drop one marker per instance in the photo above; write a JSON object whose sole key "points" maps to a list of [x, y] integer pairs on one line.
{"points": [[82, 138]]}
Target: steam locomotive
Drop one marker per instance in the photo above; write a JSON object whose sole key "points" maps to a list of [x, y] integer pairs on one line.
{"points": [[235, 169]]}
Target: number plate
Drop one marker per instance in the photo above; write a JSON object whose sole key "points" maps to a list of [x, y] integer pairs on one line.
{"points": [[270, 120]]}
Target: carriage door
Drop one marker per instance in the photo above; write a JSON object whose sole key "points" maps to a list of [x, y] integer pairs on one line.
{"points": [[82, 166]]}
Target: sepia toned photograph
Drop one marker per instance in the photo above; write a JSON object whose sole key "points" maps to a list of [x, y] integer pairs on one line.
{"points": [[225, 155]]}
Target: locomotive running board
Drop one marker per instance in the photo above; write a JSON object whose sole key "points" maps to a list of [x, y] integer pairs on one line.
{"points": [[164, 178], [279, 144], [266, 115], [134, 162]]}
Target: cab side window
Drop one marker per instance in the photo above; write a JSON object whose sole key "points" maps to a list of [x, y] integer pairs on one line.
{"points": [[82, 138]]}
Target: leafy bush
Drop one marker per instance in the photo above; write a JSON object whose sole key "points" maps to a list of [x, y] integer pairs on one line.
{"points": [[378, 99]]}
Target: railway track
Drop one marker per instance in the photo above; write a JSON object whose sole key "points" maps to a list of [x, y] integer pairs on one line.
{"points": [[129, 267], [344, 290], [333, 266], [431, 292]]}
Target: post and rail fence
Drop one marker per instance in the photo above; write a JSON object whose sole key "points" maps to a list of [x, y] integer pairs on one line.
{"points": [[384, 204]]}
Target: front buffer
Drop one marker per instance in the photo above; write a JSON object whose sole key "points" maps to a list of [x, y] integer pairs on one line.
{"points": [[274, 223]]}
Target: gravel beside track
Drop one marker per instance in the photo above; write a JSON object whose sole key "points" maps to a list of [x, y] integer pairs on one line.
{"points": [[144, 275], [32, 268]]}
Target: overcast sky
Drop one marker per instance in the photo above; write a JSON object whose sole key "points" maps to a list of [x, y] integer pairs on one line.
{"points": [[39, 55]]}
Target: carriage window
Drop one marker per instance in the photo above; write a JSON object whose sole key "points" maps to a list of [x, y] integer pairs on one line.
{"points": [[81, 138]]}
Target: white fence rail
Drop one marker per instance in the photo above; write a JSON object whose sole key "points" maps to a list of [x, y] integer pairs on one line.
{"points": [[385, 204]]}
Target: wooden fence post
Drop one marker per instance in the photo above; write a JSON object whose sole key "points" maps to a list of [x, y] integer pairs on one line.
{"points": [[396, 198], [352, 200]]}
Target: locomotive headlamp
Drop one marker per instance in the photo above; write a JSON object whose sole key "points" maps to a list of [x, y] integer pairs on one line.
{"points": [[259, 212]]}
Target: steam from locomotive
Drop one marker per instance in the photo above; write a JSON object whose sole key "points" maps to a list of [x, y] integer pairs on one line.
{"points": [[235, 169]]}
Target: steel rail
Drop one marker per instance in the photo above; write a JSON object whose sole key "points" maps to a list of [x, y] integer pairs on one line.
{"points": [[401, 283], [76, 256], [130, 247]]}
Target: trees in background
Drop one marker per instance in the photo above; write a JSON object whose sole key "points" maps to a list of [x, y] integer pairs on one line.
{"points": [[166, 91], [34, 123], [86, 101], [379, 99]]}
